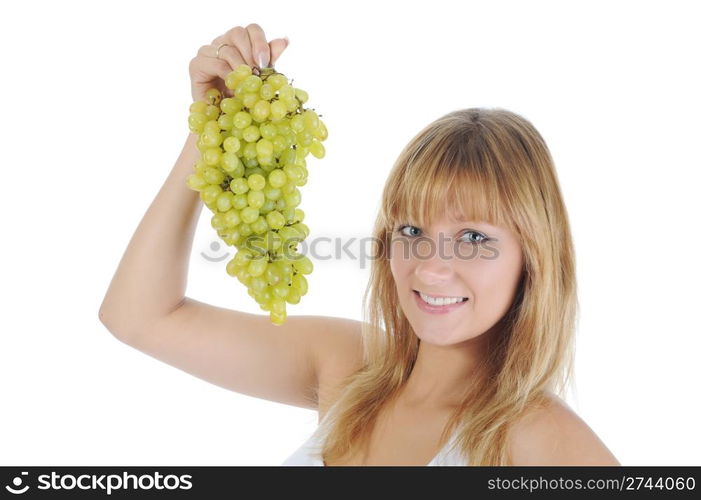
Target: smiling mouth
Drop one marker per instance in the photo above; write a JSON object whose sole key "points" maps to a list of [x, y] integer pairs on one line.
{"points": [[464, 299]]}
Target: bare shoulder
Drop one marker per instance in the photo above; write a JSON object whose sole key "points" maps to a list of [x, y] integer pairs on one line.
{"points": [[339, 355], [556, 435]]}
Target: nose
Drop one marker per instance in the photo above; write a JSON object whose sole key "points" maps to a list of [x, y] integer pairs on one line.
{"points": [[434, 269]]}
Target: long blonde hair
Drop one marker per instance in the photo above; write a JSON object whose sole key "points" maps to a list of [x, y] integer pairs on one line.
{"points": [[492, 164]]}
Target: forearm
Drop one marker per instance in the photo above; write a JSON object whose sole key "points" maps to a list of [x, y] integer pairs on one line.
{"points": [[151, 278]]}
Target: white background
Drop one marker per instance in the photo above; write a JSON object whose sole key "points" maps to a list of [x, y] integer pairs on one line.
{"points": [[95, 110]]}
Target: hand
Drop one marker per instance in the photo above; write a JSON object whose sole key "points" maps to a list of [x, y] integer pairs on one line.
{"points": [[245, 46]]}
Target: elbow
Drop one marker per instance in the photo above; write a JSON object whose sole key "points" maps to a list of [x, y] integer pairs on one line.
{"points": [[109, 323]]}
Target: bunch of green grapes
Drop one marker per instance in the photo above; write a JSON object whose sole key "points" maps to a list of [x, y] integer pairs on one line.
{"points": [[252, 161]]}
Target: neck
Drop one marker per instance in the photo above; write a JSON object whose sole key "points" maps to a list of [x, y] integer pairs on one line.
{"points": [[442, 375]]}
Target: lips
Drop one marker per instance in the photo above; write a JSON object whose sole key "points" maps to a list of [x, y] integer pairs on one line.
{"points": [[440, 296], [431, 309]]}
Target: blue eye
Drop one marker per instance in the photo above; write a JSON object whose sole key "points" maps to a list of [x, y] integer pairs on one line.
{"points": [[482, 237], [403, 227]]}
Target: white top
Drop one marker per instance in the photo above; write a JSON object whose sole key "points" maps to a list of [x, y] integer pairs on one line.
{"points": [[310, 454]]}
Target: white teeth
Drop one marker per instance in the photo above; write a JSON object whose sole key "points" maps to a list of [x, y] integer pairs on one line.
{"points": [[441, 301]]}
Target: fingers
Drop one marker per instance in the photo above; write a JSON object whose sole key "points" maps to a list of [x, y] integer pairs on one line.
{"points": [[259, 45], [239, 39], [276, 48], [229, 53], [208, 72], [237, 46]]}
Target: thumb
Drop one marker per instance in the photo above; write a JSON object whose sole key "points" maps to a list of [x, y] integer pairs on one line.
{"points": [[277, 46]]}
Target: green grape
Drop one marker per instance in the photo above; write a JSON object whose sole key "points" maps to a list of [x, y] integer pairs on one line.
{"points": [[249, 150], [231, 144], [198, 107], [268, 206], [293, 296], [249, 214], [251, 133], [301, 226], [301, 95], [258, 284], [239, 185], [242, 120], [279, 144], [212, 175], [275, 219], [278, 305], [231, 163], [272, 193], [256, 182], [196, 122], [231, 105], [212, 96], [281, 290], [252, 148], [266, 92], [277, 178], [268, 130], [278, 318], [286, 92], [293, 199], [224, 201], [293, 172], [252, 83], [249, 100], [226, 122], [196, 182], [305, 138], [217, 221], [277, 80], [245, 229], [321, 133], [259, 226], [261, 111], [209, 193], [256, 199], [211, 156], [317, 149], [299, 282], [257, 267], [232, 267], [240, 201], [277, 110], [243, 276], [273, 275], [310, 120], [304, 265], [232, 218], [296, 123]]}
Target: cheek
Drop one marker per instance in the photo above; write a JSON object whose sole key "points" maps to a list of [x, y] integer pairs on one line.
{"points": [[495, 282]]}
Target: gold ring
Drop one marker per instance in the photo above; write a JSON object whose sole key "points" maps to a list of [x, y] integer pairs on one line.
{"points": [[222, 45]]}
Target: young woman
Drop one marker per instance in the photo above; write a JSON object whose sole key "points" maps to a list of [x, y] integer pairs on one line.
{"points": [[471, 303]]}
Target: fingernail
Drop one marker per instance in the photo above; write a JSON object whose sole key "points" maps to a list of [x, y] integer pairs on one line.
{"points": [[287, 41], [263, 60]]}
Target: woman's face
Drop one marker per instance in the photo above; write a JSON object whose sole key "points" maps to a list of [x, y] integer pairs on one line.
{"points": [[474, 260]]}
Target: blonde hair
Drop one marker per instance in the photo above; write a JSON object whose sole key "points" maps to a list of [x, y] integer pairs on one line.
{"points": [[492, 165]]}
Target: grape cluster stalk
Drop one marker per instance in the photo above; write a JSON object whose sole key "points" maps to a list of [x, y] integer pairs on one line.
{"points": [[253, 147]]}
